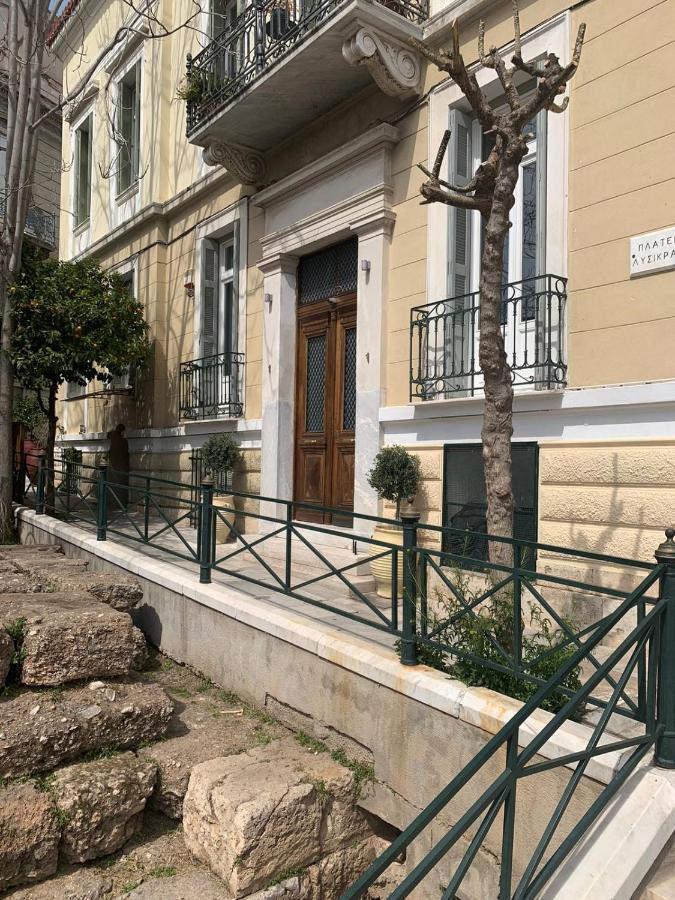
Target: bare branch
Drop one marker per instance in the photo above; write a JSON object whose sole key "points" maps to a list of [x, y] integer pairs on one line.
{"points": [[516, 30]]}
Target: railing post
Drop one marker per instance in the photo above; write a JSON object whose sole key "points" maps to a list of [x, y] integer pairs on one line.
{"points": [[289, 545], [146, 510], [102, 502], [409, 519], [69, 485], [665, 704], [41, 482], [206, 531]]}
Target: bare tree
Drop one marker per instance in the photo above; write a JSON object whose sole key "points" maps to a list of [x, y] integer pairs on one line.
{"points": [[491, 193], [26, 57]]}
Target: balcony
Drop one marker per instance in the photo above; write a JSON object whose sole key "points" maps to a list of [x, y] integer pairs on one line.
{"points": [[319, 52], [444, 340], [40, 225], [212, 387]]}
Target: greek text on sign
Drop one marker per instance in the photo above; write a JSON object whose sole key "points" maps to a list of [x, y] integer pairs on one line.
{"points": [[652, 252]]}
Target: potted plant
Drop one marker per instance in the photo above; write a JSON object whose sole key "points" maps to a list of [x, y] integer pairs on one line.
{"points": [[220, 454], [28, 414], [396, 477]]}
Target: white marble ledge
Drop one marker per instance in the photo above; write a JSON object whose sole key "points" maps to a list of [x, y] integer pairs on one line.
{"points": [[480, 707]]}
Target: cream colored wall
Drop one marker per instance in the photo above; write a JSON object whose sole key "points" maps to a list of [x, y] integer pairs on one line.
{"points": [[168, 162], [622, 183], [613, 497]]}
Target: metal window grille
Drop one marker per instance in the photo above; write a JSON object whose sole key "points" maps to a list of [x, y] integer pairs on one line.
{"points": [[465, 500], [332, 272]]}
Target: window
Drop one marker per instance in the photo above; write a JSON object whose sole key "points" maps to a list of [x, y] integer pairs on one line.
{"points": [[465, 501], [125, 381], [223, 15], [219, 295], [83, 140], [128, 128]]}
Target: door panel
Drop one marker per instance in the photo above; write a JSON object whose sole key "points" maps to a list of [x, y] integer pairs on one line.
{"points": [[326, 408]]}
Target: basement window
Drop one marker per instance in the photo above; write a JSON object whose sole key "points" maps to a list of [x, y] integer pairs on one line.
{"points": [[465, 499]]}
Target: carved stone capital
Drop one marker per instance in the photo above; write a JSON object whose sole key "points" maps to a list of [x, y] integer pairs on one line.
{"points": [[247, 165], [395, 67]]}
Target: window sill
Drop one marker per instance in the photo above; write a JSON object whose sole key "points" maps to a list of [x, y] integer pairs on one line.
{"points": [[127, 193], [81, 228]]}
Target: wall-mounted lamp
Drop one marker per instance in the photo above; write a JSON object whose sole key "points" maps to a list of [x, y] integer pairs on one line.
{"points": [[365, 265], [189, 284], [268, 299]]}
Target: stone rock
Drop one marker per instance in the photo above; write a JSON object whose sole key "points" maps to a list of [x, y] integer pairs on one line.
{"points": [[20, 551], [274, 808], [13, 582], [121, 592], [76, 721], [68, 637], [102, 804], [29, 835], [193, 885], [83, 884], [6, 655], [139, 660], [46, 564], [331, 876], [195, 735]]}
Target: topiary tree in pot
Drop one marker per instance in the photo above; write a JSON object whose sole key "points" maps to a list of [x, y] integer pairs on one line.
{"points": [[220, 455], [395, 476]]}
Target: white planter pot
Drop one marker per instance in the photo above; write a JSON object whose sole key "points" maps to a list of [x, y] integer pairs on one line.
{"points": [[382, 568], [228, 504]]}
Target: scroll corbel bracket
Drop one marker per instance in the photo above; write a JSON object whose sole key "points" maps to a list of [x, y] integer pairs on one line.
{"points": [[245, 164], [395, 67]]}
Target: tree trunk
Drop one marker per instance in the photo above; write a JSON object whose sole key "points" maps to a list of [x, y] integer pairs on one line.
{"points": [[52, 421], [7, 531], [498, 412]]}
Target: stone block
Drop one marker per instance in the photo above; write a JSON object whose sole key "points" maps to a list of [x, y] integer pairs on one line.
{"points": [[253, 816], [121, 592], [6, 655], [68, 637], [40, 730], [47, 563], [14, 582], [21, 551], [140, 656], [29, 835], [102, 803], [192, 885]]}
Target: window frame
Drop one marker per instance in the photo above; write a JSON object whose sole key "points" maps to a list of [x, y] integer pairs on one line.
{"points": [[134, 65], [551, 36], [87, 118]]}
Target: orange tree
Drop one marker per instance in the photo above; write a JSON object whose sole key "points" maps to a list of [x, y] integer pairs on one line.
{"points": [[73, 322]]}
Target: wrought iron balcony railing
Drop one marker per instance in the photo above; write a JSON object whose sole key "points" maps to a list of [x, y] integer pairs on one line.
{"points": [[40, 225], [212, 387], [444, 340], [258, 38]]}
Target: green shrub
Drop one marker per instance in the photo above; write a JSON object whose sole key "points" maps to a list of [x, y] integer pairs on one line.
{"points": [[493, 624], [28, 412], [395, 475], [220, 454]]}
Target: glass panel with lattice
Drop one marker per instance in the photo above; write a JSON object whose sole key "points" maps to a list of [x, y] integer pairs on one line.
{"points": [[316, 382], [332, 272], [349, 399]]}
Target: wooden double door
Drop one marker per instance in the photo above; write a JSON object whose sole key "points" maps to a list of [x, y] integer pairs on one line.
{"points": [[325, 416]]}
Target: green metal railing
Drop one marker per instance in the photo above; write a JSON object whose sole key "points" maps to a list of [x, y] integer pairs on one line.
{"points": [[634, 679]]}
